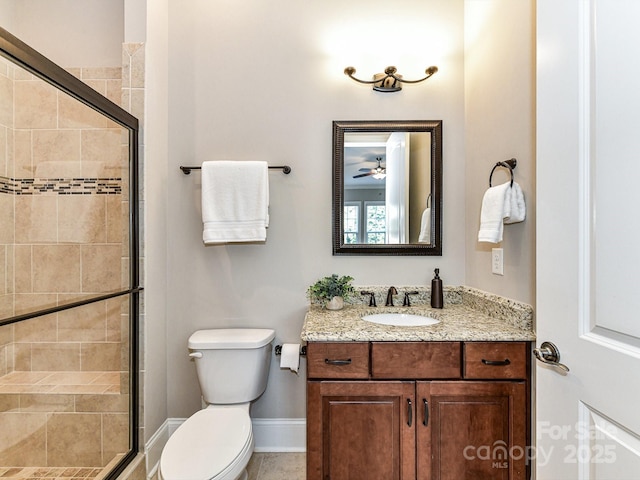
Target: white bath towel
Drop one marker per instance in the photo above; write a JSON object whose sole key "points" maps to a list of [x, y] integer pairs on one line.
{"points": [[496, 205], [425, 226], [518, 210], [235, 201]]}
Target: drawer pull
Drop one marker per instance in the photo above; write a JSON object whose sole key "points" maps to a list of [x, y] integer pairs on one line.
{"points": [[409, 412], [337, 362], [425, 422], [497, 363]]}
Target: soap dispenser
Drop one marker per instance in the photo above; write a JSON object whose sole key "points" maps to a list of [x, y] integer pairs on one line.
{"points": [[437, 300]]}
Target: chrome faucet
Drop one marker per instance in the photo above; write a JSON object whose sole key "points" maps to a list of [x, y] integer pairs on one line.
{"points": [[392, 291]]}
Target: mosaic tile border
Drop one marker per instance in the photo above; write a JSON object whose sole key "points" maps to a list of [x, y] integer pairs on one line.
{"points": [[61, 186]]}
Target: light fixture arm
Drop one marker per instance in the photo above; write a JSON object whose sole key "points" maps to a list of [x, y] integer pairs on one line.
{"points": [[388, 81]]}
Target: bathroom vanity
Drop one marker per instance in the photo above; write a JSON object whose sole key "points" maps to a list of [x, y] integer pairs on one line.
{"points": [[445, 401]]}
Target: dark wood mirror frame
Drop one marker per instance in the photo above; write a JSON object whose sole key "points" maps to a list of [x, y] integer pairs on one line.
{"points": [[340, 128]]}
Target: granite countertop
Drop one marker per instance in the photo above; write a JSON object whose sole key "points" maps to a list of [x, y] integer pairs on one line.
{"points": [[468, 315]]}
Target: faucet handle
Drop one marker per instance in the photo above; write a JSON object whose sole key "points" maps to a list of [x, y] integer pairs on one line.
{"points": [[372, 298], [407, 302]]}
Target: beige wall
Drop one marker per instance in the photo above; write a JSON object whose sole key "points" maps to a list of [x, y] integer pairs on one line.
{"points": [[264, 81], [500, 124]]}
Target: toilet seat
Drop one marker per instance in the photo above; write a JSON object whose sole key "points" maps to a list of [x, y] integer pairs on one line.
{"points": [[213, 444]]}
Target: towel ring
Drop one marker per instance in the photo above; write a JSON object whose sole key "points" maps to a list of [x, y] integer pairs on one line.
{"points": [[510, 164]]}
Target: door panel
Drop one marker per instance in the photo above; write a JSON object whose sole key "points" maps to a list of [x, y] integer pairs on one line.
{"points": [[474, 430], [361, 430], [587, 223]]}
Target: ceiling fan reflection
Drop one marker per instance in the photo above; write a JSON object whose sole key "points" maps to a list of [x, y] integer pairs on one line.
{"points": [[379, 172]]}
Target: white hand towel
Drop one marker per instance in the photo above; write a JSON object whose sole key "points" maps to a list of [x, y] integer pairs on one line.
{"points": [[235, 201], [496, 205], [517, 211], [425, 227]]}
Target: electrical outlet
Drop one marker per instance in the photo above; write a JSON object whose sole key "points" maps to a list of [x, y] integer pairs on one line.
{"points": [[497, 261]]}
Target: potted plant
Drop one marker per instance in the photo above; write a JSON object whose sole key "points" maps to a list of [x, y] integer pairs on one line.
{"points": [[332, 291]]}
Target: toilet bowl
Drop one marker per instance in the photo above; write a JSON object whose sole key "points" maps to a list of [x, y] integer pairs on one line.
{"points": [[216, 443], [213, 444]]}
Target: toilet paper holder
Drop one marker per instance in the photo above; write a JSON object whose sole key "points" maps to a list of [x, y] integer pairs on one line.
{"points": [[277, 350]]}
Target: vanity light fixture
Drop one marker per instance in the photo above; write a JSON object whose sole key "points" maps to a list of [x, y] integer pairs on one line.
{"points": [[389, 81]]}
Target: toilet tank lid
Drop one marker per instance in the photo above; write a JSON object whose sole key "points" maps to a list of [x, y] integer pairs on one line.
{"points": [[231, 338]]}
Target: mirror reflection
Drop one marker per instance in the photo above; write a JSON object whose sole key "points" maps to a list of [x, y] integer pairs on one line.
{"points": [[387, 181]]}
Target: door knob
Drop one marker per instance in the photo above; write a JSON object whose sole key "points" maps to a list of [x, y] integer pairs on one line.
{"points": [[549, 354]]}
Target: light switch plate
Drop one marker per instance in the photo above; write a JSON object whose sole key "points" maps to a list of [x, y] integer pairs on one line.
{"points": [[497, 261]]}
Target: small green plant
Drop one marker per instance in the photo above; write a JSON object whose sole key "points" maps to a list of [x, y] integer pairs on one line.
{"points": [[328, 287]]}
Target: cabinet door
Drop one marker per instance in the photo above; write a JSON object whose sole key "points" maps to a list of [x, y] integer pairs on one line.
{"points": [[361, 430], [471, 430]]}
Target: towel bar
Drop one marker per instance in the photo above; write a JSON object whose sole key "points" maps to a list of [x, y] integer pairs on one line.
{"points": [[286, 169], [510, 164]]}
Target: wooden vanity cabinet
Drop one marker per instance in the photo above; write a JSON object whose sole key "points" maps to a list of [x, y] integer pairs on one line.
{"points": [[417, 410]]}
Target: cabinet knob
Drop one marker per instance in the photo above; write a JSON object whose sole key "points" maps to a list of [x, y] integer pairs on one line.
{"points": [[409, 412]]}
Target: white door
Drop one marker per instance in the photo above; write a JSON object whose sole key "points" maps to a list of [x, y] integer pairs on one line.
{"points": [[588, 231], [397, 193]]}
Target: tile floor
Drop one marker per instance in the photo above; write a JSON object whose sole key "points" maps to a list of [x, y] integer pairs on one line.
{"points": [[277, 466], [48, 473]]}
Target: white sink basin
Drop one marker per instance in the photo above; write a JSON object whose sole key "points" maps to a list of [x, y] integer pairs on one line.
{"points": [[400, 319]]}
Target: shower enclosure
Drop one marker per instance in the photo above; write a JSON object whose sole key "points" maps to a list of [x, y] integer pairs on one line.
{"points": [[69, 281]]}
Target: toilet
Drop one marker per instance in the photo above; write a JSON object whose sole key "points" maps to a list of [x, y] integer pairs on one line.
{"points": [[217, 442]]}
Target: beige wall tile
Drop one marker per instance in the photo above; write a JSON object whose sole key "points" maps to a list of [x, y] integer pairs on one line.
{"points": [[48, 357], [117, 220], [115, 435], [39, 329], [102, 403], [3, 270], [6, 334], [23, 165], [56, 268], [6, 101], [9, 402], [137, 68], [29, 302], [101, 270], [36, 105], [87, 323], [34, 402], [101, 72], [55, 145], [63, 446], [22, 357], [22, 279], [101, 146], [101, 357], [82, 219], [36, 222], [74, 114], [26, 444], [7, 219], [6, 305]]}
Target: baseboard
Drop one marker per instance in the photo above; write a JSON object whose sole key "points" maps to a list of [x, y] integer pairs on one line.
{"points": [[270, 434], [280, 434]]}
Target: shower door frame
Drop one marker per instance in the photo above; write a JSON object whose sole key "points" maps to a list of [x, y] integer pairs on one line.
{"points": [[23, 55]]}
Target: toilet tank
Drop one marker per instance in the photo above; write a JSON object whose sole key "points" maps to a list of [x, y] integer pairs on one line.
{"points": [[232, 364]]}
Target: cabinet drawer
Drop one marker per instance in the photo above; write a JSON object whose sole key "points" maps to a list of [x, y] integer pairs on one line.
{"points": [[338, 360], [489, 360], [415, 360]]}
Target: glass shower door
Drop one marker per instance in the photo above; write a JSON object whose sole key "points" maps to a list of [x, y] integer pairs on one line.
{"points": [[68, 273]]}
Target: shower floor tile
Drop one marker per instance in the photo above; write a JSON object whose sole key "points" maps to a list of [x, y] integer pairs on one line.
{"points": [[49, 473]]}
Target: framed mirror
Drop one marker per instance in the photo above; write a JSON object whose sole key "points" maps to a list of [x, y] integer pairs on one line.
{"points": [[387, 187]]}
